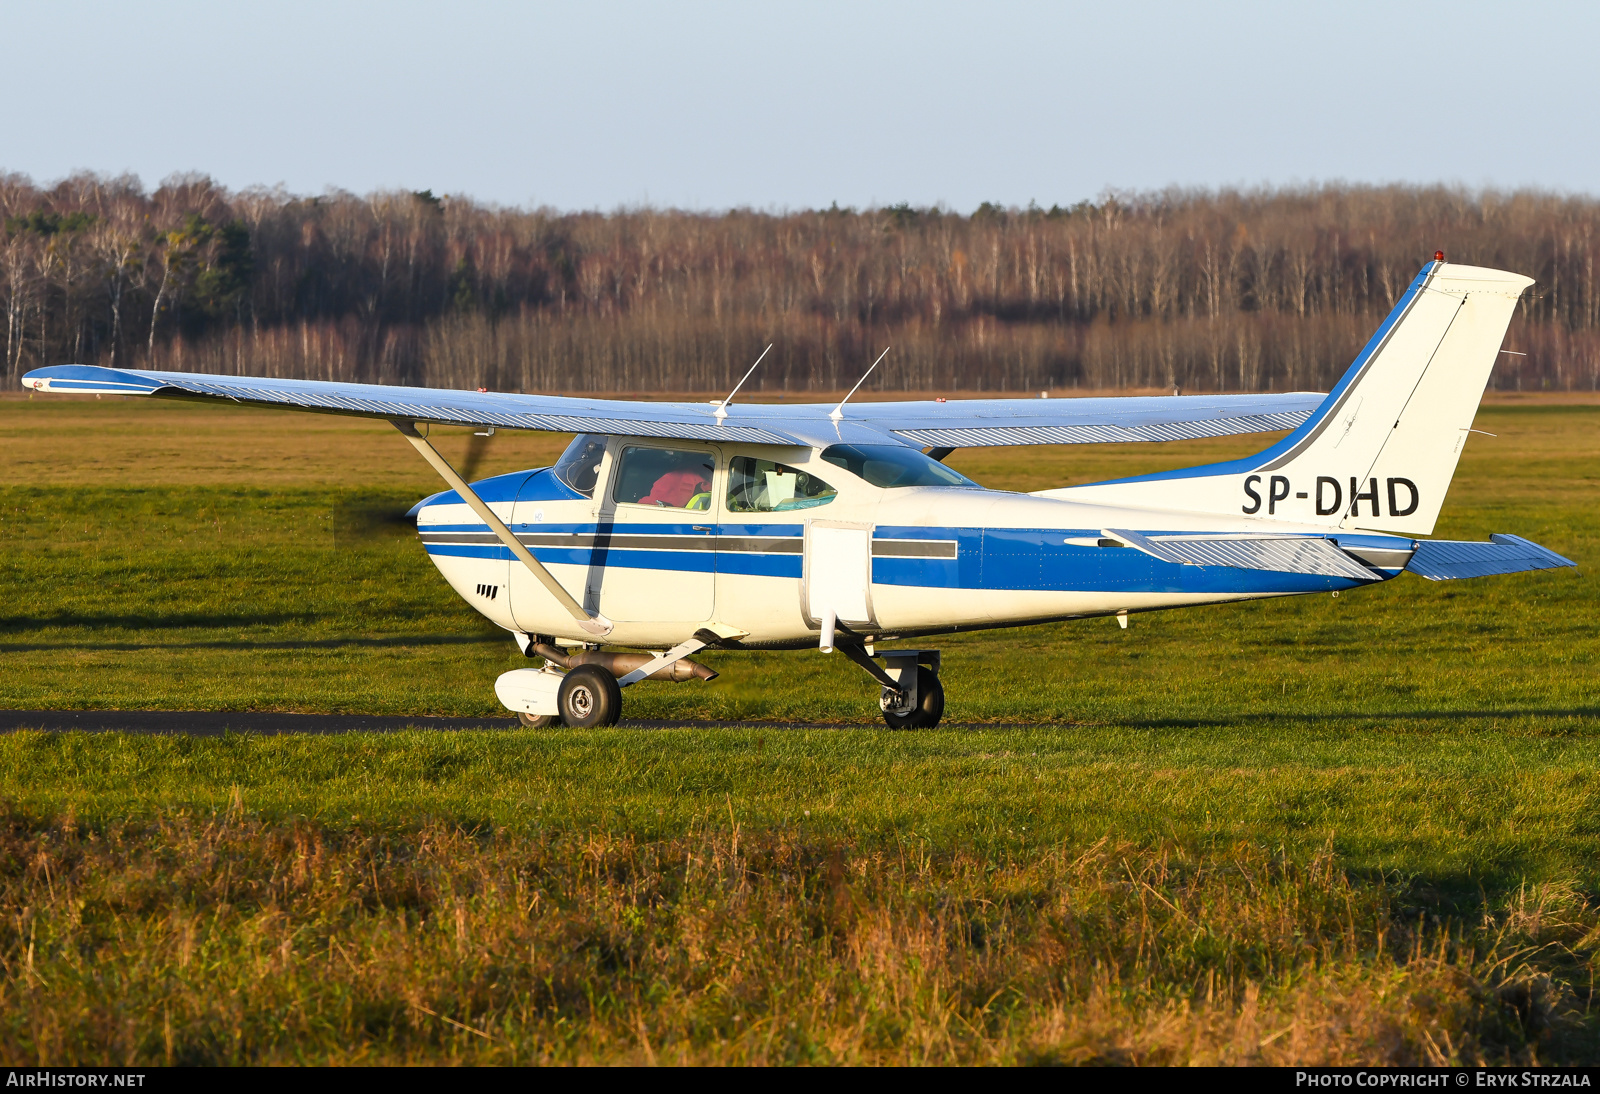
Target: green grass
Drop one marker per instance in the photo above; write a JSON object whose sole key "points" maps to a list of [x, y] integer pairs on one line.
{"points": [[1477, 806], [1422, 755], [292, 596]]}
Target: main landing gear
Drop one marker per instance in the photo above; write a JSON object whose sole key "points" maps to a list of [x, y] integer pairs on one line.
{"points": [[912, 696], [919, 707], [589, 691]]}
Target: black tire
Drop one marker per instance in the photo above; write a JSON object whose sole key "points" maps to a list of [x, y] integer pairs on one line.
{"points": [[536, 721], [589, 696], [930, 704]]}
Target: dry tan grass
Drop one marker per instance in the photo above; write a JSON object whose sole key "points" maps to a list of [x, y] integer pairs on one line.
{"points": [[226, 938]]}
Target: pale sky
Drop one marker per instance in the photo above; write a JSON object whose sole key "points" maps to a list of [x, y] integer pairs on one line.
{"points": [[787, 105]]}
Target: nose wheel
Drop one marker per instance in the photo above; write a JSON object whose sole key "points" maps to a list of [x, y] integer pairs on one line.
{"points": [[589, 696]]}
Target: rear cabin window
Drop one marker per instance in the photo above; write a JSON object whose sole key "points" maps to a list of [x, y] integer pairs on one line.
{"points": [[579, 465], [890, 465], [673, 478], [761, 486]]}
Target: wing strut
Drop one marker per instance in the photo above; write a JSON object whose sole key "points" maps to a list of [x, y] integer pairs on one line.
{"points": [[596, 624]]}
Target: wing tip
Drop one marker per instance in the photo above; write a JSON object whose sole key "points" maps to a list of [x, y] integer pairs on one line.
{"points": [[88, 380]]}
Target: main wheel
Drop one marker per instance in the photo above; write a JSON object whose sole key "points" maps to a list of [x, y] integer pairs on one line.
{"points": [[535, 721], [929, 708], [589, 696]]}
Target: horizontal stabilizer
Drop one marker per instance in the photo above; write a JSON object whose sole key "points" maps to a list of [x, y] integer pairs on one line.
{"points": [[1447, 560], [1282, 554]]}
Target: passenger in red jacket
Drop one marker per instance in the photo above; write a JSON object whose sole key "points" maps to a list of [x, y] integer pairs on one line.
{"points": [[680, 490]]}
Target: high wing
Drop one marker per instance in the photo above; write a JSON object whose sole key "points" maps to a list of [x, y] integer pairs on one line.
{"points": [[979, 423], [959, 423], [439, 406]]}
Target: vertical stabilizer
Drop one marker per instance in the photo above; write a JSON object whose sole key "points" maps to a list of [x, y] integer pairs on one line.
{"points": [[1418, 453], [1380, 451]]}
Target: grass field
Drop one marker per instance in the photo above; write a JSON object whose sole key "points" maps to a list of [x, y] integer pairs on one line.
{"points": [[1353, 829]]}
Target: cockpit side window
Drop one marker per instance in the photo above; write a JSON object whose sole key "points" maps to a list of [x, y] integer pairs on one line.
{"points": [[891, 466], [579, 465], [674, 478], [761, 486]]}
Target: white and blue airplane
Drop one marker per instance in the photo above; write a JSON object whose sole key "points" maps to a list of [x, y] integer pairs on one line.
{"points": [[669, 528]]}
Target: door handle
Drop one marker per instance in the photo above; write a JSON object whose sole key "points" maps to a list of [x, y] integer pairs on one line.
{"points": [[701, 527]]}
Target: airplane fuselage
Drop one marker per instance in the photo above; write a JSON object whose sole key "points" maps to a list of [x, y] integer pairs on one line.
{"points": [[898, 561]]}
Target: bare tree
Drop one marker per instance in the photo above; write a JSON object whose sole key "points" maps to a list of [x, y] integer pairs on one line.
{"points": [[1225, 289]]}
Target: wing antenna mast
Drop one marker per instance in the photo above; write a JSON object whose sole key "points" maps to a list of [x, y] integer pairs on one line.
{"points": [[722, 407], [837, 413]]}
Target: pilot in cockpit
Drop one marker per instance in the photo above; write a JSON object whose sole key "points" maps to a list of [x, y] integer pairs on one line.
{"points": [[685, 486]]}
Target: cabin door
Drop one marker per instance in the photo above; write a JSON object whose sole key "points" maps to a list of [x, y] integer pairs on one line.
{"points": [[655, 545]]}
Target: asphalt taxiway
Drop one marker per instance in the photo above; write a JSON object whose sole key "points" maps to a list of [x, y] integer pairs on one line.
{"points": [[215, 723]]}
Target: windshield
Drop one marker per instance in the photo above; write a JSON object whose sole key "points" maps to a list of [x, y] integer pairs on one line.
{"points": [[579, 465], [891, 465]]}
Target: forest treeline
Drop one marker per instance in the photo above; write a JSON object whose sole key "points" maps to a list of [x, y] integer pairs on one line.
{"points": [[1201, 290]]}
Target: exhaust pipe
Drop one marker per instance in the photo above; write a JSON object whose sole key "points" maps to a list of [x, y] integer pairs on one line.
{"points": [[620, 664]]}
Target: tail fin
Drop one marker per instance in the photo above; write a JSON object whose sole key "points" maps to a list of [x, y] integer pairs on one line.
{"points": [[1380, 451]]}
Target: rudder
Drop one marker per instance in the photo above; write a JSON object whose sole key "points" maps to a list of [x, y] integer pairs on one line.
{"points": [[1419, 452], [1380, 451]]}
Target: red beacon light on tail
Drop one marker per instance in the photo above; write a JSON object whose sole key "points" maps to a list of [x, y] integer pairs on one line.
{"points": [[1438, 256]]}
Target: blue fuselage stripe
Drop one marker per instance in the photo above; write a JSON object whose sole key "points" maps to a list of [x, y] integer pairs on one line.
{"points": [[999, 559]]}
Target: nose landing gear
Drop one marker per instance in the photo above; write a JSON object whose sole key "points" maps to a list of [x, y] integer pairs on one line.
{"points": [[589, 692], [589, 696]]}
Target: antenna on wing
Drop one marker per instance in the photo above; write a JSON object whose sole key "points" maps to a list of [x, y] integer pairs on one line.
{"points": [[722, 407], [838, 411]]}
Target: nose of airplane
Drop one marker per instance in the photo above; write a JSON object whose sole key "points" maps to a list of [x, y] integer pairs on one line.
{"points": [[497, 488], [425, 502]]}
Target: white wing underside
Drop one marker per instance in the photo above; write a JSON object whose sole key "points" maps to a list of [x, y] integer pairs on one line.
{"points": [[959, 423]]}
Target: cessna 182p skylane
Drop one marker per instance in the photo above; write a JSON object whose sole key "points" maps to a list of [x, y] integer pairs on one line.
{"points": [[673, 527]]}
